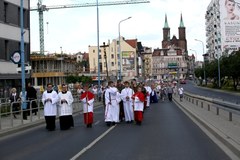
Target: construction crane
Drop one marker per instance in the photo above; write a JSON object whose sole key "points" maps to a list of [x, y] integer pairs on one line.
{"points": [[41, 8]]}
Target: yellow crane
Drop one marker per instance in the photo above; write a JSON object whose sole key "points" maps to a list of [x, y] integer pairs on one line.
{"points": [[41, 8]]}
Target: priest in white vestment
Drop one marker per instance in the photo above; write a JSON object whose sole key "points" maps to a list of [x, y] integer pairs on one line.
{"points": [[65, 109], [50, 100], [112, 99], [126, 95]]}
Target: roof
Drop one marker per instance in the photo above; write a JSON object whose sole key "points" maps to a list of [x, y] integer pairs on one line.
{"points": [[132, 42]]}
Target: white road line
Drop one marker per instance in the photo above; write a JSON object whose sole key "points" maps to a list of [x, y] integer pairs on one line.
{"points": [[96, 122], [92, 144]]}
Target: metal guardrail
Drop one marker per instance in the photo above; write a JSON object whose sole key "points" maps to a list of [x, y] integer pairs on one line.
{"points": [[231, 108], [7, 119]]}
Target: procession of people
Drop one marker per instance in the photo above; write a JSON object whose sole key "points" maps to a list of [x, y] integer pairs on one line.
{"points": [[122, 101]]}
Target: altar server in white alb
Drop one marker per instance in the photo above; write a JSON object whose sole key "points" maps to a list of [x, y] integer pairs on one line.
{"points": [[112, 99], [50, 100], [65, 108], [148, 90], [126, 95]]}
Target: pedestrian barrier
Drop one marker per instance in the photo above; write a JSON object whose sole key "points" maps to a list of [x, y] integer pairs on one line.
{"points": [[222, 108], [9, 122]]}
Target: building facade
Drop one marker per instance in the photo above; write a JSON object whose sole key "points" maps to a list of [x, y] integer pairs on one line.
{"points": [[171, 61], [222, 28], [109, 62], [10, 38]]}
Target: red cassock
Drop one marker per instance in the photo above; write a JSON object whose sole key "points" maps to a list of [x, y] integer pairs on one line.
{"points": [[87, 98], [137, 113]]}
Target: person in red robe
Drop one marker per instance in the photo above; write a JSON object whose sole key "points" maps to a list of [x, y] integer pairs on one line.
{"points": [[87, 98], [138, 105]]}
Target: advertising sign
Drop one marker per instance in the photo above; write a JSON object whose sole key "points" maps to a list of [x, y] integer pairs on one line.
{"points": [[230, 25], [128, 61]]}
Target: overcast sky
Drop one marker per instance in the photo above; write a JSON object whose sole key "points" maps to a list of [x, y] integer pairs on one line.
{"points": [[75, 29]]}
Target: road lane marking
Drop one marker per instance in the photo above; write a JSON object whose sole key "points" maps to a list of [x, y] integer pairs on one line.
{"points": [[96, 122], [92, 144]]}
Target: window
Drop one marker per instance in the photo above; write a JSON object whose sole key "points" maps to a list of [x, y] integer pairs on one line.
{"points": [[112, 56], [94, 51], [5, 12], [19, 22], [6, 49], [112, 64]]}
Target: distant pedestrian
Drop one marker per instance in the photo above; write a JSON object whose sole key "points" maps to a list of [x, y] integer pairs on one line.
{"points": [[15, 100], [50, 100], [153, 94], [32, 98], [180, 92], [65, 108], [170, 92]]}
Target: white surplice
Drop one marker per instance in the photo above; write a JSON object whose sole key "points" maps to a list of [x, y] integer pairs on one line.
{"points": [[65, 108], [50, 107]]}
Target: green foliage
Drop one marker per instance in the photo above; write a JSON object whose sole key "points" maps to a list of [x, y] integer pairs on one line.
{"points": [[74, 79], [229, 67]]}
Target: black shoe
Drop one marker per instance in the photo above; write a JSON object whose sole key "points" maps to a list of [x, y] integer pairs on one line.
{"points": [[108, 124], [113, 123]]}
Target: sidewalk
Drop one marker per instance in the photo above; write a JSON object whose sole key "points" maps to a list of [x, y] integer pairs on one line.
{"points": [[11, 125], [225, 131]]}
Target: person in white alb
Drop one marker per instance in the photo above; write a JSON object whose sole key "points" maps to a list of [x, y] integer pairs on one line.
{"points": [[112, 99], [180, 92], [50, 100], [126, 95], [65, 108], [148, 90]]}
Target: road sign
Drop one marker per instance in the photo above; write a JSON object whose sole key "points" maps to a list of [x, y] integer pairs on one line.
{"points": [[27, 68], [16, 57]]}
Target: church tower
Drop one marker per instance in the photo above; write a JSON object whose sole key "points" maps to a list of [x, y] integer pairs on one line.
{"points": [[166, 34], [182, 42]]}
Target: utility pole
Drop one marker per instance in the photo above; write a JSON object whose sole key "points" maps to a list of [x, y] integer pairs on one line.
{"points": [[105, 57]]}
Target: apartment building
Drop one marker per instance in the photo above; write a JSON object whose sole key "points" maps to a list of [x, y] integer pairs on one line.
{"points": [[10, 38]]}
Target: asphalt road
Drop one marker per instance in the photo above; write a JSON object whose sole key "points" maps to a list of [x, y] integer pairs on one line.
{"points": [[218, 94], [166, 134]]}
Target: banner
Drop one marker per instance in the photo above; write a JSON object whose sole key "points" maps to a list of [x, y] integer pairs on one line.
{"points": [[230, 25], [128, 61]]}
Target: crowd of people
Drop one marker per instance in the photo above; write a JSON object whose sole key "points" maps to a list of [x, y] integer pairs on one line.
{"points": [[122, 101]]}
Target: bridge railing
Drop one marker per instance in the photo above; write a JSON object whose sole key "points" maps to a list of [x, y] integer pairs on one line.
{"points": [[218, 106], [12, 114]]}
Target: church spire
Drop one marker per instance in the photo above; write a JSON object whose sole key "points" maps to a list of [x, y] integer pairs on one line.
{"points": [[166, 22], [181, 22]]}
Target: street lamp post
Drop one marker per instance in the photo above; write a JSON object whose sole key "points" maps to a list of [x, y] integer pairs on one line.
{"points": [[119, 49], [204, 72], [24, 106], [98, 52], [219, 73]]}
